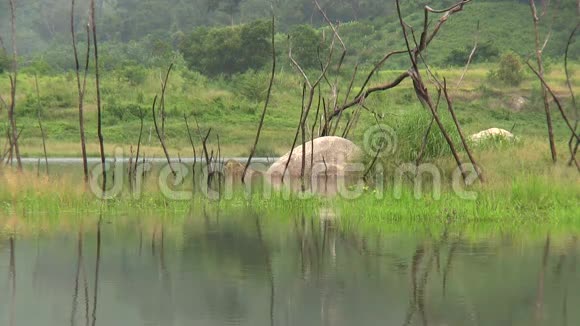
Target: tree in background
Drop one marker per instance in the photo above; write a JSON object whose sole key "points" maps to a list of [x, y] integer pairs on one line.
{"points": [[227, 50], [510, 70], [305, 41]]}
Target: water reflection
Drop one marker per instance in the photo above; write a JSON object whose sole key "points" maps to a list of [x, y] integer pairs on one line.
{"points": [[257, 270]]}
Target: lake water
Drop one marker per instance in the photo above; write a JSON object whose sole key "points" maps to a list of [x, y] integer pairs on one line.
{"points": [[246, 269]]}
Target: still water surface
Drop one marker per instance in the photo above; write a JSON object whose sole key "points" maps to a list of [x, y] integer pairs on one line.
{"points": [[253, 270]]}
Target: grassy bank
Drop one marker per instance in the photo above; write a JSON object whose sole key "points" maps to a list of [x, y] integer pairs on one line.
{"points": [[522, 188], [232, 106]]}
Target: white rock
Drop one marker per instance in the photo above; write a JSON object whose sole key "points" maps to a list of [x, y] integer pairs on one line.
{"points": [[329, 155], [491, 133]]}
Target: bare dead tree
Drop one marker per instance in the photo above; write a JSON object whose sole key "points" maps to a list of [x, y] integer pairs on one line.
{"points": [[558, 105], [130, 171], [539, 61], [159, 132], [39, 116], [161, 139], [13, 85], [297, 131], [415, 54], [348, 91], [463, 140], [268, 94], [81, 86], [7, 156], [192, 147], [573, 148], [98, 87], [208, 158], [307, 105], [141, 118]]}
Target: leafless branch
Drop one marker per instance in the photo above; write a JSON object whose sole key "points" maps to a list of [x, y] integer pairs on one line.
{"points": [[192, 147], [39, 116], [420, 88], [13, 85], [540, 63], [573, 148], [268, 94], [463, 140], [93, 24], [470, 58], [160, 136], [81, 87], [141, 118], [556, 100]]}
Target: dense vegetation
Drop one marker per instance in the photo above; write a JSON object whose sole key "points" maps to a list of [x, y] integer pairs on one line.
{"points": [[221, 75], [220, 51], [150, 33]]}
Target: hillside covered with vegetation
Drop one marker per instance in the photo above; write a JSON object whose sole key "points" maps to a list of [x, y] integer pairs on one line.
{"points": [[149, 33], [221, 53]]}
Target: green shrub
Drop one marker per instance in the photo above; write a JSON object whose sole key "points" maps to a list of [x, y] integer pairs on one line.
{"points": [[133, 74], [252, 85], [510, 70], [410, 129], [121, 112]]}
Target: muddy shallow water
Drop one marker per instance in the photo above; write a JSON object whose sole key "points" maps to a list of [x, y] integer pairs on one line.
{"points": [[244, 269]]}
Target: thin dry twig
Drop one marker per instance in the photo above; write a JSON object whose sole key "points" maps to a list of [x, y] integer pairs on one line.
{"points": [[268, 94], [39, 116], [470, 58]]}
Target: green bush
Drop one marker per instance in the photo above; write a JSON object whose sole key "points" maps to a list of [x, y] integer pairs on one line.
{"points": [[410, 129], [252, 85], [133, 74], [510, 70], [115, 113]]}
